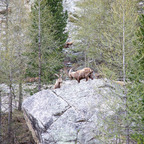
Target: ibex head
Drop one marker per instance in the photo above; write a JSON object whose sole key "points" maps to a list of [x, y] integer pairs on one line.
{"points": [[58, 81]]}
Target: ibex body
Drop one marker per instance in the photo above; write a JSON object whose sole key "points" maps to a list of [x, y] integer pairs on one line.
{"points": [[68, 44], [85, 73], [58, 81], [32, 79]]}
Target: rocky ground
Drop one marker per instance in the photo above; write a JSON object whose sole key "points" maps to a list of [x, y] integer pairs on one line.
{"points": [[28, 90], [74, 113]]}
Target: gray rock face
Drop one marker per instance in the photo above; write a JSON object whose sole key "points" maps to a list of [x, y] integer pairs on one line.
{"points": [[70, 114], [71, 8]]}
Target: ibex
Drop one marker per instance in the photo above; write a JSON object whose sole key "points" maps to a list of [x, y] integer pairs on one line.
{"points": [[122, 83], [99, 75], [32, 79], [68, 44], [58, 81], [85, 73]]}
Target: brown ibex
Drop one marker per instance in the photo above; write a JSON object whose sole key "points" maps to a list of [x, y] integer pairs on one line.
{"points": [[68, 44], [85, 73], [32, 79], [99, 75], [58, 81]]}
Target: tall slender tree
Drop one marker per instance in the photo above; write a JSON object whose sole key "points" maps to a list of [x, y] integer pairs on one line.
{"points": [[19, 25], [114, 43], [11, 54], [0, 118], [120, 36], [9, 71], [39, 42], [90, 24], [51, 56]]}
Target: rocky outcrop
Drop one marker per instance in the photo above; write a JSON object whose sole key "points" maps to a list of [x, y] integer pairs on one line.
{"points": [[71, 114], [71, 8]]}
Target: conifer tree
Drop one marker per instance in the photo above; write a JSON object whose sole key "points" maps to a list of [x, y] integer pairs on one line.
{"points": [[0, 118], [111, 34], [119, 50], [51, 55], [12, 60], [136, 92], [60, 19], [20, 41], [90, 24]]}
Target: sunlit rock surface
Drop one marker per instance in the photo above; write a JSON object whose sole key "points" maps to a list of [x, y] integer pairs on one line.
{"points": [[73, 113]]}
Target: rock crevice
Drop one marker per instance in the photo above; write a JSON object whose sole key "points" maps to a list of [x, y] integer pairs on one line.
{"points": [[70, 114]]}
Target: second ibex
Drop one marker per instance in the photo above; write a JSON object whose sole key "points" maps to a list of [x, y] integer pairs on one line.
{"points": [[85, 73]]}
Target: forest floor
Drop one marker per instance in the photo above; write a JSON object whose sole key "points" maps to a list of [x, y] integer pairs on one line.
{"points": [[20, 133]]}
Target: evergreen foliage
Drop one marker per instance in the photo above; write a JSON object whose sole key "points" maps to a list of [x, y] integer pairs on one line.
{"points": [[52, 39], [107, 33], [140, 55], [14, 43], [12, 60], [136, 93], [60, 18], [90, 26]]}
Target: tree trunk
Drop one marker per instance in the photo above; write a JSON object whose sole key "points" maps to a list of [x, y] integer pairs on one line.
{"points": [[7, 6], [39, 45], [20, 96], [10, 116], [124, 79], [0, 120]]}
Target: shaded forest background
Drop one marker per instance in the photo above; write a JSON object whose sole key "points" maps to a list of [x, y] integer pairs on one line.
{"points": [[109, 38]]}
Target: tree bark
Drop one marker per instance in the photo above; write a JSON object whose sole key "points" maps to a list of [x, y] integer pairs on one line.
{"points": [[7, 6], [20, 96], [0, 120], [124, 79], [39, 45], [10, 115]]}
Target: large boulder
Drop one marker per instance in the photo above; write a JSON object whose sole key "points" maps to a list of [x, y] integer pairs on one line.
{"points": [[71, 114]]}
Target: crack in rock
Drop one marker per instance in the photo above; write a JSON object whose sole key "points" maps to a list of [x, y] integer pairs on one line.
{"points": [[71, 114], [65, 101]]}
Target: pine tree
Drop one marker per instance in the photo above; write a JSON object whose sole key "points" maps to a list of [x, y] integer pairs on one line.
{"points": [[51, 55], [60, 18], [136, 92]]}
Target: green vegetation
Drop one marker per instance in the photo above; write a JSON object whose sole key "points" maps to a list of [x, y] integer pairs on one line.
{"points": [[109, 34], [20, 131], [59, 22], [52, 23]]}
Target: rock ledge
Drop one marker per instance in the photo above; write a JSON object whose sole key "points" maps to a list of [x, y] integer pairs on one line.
{"points": [[70, 114]]}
